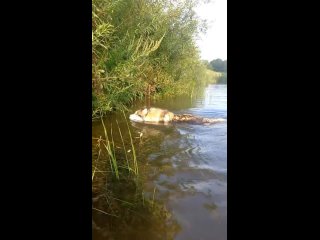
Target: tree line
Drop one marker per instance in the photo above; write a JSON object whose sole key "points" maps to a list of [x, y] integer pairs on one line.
{"points": [[217, 65], [220, 66], [144, 47]]}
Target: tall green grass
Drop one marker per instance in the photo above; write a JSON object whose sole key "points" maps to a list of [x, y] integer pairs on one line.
{"points": [[124, 147], [123, 199], [109, 144], [135, 162], [96, 163], [110, 151]]}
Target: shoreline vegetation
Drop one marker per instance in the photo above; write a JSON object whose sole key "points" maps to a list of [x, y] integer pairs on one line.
{"points": [[118, 196], [145, 48], [139, 48]]}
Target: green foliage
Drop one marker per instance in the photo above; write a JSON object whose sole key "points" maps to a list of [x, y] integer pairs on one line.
{"points": [[223, 78], [142, 47], [218, 65]]}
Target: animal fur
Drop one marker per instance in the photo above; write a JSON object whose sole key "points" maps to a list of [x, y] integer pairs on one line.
{"points": [[152, 115], [157, 115]]}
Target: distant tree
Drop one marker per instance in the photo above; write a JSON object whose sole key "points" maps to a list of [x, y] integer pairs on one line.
{"points": [[225, 65], [219, 65]]}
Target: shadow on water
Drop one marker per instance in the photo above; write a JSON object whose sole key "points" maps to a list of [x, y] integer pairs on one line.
{"points": [[181, 191]]}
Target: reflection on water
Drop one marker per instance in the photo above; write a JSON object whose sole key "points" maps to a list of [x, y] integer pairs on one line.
{"points": [[187, 165]]}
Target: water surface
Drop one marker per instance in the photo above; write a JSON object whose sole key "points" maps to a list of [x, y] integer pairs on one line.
{"points": [[184, 166]]}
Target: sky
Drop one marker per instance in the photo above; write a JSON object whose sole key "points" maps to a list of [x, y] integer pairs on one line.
{"points": [[213, 44]]}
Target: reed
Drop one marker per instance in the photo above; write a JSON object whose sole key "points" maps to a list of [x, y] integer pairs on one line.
{"points": [[96, 163], [135, 163], [124, 147], [154, 192], [111, 153]]}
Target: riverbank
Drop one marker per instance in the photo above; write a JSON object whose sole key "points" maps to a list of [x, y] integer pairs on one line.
{"points": [[144, 48], [121, 100]]}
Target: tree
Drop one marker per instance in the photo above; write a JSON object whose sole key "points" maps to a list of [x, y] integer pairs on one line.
{"points": [[142, 47], [219, 65]]}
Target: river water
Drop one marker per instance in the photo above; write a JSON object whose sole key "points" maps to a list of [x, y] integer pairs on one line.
{"points": [[183, 167]]}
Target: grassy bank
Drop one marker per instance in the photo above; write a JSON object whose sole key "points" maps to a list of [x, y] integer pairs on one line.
{"points": [[143, 47], [215, 77], [119, 200]]}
